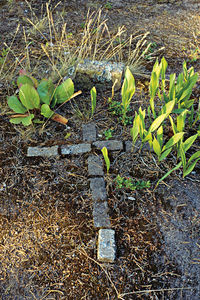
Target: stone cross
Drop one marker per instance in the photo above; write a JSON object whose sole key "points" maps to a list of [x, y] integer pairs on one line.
{"points": [[106, 235]]}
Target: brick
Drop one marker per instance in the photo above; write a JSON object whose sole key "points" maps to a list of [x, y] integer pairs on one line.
{"points": [[100, 214], [75, 149], [106, 245], [98, 190], [44, 151], [130, 148], [112, 145], [95, 166], [89, 132]]}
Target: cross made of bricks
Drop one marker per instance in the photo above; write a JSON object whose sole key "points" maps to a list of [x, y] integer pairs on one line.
{"points": [[106, 235]]}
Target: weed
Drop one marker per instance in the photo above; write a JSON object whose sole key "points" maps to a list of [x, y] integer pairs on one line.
{"points": [[108, 134], [130, 183], [108, 5], [151, 49], [3, 55], [116, 109]]}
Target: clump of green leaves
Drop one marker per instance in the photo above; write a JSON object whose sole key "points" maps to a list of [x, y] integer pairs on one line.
{"points": [[152, 46], [108, 133], [174, 107], [3, 55], [116, 109], [39, 99], [108, 5], [130, 183], [120, 109]]}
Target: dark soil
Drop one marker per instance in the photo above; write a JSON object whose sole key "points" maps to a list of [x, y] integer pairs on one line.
{"points": [[47, 238]]}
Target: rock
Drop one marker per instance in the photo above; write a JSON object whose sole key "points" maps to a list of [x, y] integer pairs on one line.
{"points": [[100, 214], [106, 245], [98, 73], [45, 151], [98, 190], [75, 149], [112, 145], [89, 132], [95, 166]]}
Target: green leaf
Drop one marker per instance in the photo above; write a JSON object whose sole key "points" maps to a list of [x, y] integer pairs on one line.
{"points": [[135, 128], [188, 88], [168, 173], [156, 147], [160, 135], [46, 111], [183, 157], [165, 153], [26, 121], [153, 86], [45, 90], [168, 107], [106, 158], [23, 79], [172, 91], [93, 94], [164, 67], [188, 143], [194, 156], [29, 96], [181, 120], [174, 139], [127, 92], [157, 122], [190, 168], [16, 105], [173, 125], [64, 91]]}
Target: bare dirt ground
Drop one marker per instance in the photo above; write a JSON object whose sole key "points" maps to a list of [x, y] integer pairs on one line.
{"points": [[47, 238]]}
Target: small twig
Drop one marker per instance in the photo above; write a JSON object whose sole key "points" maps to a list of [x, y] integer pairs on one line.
{"points": [[100, 265]]}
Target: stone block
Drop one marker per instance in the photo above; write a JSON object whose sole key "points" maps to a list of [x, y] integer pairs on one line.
{"points": [[89, 132], [98, 189], [75, 149], [100, 214], [130, 148], [112, 145], [100, 74], [95, 166], [44, 151], [106, 245]]}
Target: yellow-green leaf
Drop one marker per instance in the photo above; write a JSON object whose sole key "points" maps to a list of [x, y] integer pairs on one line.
{"points": [[174, 139], [156, 147], [157, 122]]}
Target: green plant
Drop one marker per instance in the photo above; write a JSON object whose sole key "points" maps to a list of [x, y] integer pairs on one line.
{"points": [[120, 109], [93, 94], [40, 98], [106, 158], [152, 46], [108, 133], [127, 92], [130, 183], [3, 55], [175, 106], [116, 109], [108, 5]]}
